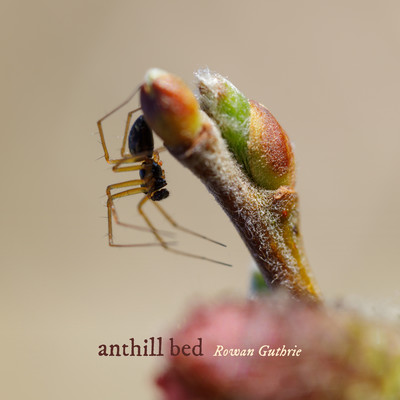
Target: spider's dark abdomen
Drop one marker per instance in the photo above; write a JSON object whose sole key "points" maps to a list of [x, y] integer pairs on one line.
{"points": [[140, 139]]}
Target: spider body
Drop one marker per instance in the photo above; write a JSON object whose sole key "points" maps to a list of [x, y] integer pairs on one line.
{"points": [[142, 157], [141, 143], [154, 178]]}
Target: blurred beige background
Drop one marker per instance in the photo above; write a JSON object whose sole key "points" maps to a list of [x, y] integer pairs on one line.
{"points": [[329, 71]]}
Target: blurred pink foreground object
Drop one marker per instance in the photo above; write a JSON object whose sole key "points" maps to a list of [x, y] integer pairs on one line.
{"points": [[279, 348]]}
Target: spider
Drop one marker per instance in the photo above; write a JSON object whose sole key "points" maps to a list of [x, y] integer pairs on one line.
{"points": [[144, 158]]}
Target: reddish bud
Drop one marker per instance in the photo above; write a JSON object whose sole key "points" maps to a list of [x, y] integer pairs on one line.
{"points": [[270, 155], [170, 108]]}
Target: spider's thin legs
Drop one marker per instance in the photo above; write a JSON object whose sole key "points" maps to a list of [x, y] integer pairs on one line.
{"points": [[103, 143], [160, 149], [100, 127], [182, 228], [111, 212], [118, 161], [110, 203], [128, 122], [117, 168], [133, 182], [164, 244], [148, 222]]}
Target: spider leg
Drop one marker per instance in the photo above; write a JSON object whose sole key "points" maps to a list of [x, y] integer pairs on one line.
{"points": [[133, 182], [100, 127], [160, 149], [128, 122], [165, 244], [112, 213], [117, 167], [182, 228]]}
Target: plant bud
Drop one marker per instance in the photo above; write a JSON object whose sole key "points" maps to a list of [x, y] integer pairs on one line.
{"points": [[229, 108], [270, 155], [170, 108], [253, 135]]}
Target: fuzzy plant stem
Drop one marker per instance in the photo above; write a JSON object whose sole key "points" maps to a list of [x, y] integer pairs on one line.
{"points": [[267, 220], [254, 212]]}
